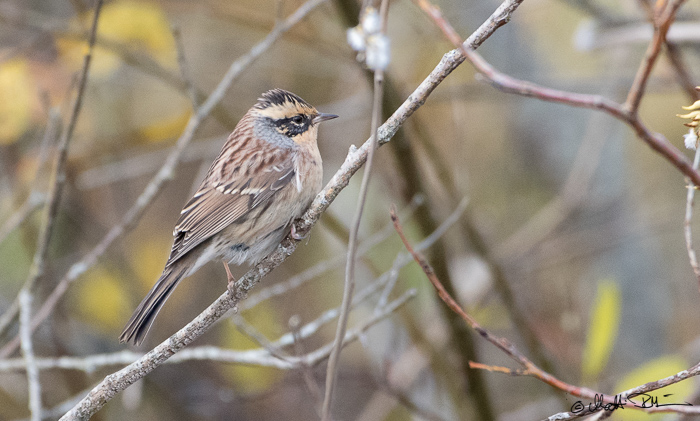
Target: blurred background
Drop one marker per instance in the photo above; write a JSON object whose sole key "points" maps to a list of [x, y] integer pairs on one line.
{"points": [[571, 244]]}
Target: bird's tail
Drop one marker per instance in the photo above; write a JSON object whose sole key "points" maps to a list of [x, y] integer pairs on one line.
{"points": [[144, 315]]}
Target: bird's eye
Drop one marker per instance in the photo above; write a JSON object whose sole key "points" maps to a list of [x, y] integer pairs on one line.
{"points": [[298, 119]]}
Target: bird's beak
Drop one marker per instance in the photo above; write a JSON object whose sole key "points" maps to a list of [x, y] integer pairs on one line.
{"points": [[323, 117]]}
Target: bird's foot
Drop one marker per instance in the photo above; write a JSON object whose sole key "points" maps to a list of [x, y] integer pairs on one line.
{"points": [[231, 280], [296, 235]]}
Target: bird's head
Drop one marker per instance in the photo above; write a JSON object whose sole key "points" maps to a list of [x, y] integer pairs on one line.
{"points": [[289, 115]]}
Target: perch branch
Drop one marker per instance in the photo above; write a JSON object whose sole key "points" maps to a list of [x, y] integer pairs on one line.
{"points": [[116, 382]]}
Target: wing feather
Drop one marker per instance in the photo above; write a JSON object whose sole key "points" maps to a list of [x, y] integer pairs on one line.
{"points": [[217, 205]]}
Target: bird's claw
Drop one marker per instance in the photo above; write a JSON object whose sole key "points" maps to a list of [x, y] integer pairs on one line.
{"points": [[231, 286], [296, 235]]}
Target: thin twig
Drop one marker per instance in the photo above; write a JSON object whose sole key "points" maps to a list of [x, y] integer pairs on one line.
{"points": [[661, 25], [673, 53], [25, 314], [33, 202], [260, 356], [247, 329], [58, 179], [307, 373], [687, 228], [519, 87], [349, 285], [401, 261], [166, 172], [184, 68]]}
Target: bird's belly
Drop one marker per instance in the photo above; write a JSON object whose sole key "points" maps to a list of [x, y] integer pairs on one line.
{"points": [[256, 236]]}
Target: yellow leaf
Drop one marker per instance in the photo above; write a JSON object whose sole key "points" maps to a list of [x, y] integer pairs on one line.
{"points": [[142, 23], [166, 128], [602, 329], [659, 368], [101, 300], [135, 25], [251, 379], [15, 108]]}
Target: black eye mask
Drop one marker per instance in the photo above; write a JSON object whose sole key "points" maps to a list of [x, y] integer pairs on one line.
{"points": [[291, 128]]}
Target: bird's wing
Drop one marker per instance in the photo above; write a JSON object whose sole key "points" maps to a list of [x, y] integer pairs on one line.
{"points": [[217, 205]]}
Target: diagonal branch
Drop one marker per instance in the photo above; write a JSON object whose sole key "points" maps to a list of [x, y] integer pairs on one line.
{"points": [[118, 381]]}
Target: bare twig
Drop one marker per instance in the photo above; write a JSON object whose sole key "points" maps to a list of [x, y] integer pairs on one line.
{"points": [[511, 85], [59, 170], [184, 68], [401, 261], [58, 179], [687, 229], [25, 314], [245, 328], [674, 55], [615, 30], [349, 286], [661, 25], [33, 202], [166, 172], [260, 357], [306, 371]]}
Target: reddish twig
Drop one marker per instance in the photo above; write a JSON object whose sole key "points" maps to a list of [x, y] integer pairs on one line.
{"points": [[622, 112], [531, 369], [662, 21], [674, 56], [501, 343], [496, 369]]}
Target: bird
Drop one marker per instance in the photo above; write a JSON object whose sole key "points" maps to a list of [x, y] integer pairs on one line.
{"points": [[265, 177]]}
